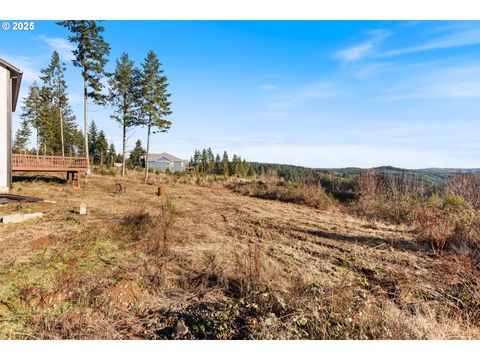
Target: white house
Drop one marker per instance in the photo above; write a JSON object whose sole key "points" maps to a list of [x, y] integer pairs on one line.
{"points": [[10, 79], [166, 161]]}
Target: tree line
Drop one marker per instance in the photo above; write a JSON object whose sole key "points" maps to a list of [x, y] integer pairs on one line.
{"points": [[205, 162], [138, 95]]}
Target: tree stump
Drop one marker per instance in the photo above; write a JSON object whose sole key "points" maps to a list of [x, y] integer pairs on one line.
{"points": [[161, 190]]}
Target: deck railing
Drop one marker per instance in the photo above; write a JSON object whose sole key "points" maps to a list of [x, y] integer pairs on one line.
{"points": [[41, 162]]}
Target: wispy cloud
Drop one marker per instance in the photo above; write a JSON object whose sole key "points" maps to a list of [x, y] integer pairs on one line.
{"points": [[455, 82], [63, 46], [365, 48], [367, 70], [27, 64], [460, 38]]}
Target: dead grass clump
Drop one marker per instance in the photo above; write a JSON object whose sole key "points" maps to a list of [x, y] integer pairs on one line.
{"points": [[165, 221], [137, 224], [84, 323], [305, 194], [393, 198], [455, 229], [249, 270]]}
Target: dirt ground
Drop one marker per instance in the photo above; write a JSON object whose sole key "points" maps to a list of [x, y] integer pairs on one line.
{"points": [[40, 260]]}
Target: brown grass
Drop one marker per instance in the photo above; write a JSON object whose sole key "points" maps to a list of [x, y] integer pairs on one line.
{"points": [[304, 194], [231, 267]]}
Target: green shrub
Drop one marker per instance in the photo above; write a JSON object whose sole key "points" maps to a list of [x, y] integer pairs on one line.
{"points": [[456, 202]]}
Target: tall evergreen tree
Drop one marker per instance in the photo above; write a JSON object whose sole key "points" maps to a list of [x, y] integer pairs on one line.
{"points": [[93, 141], [154, 104], [31, 111], [22, 136], [47, 128], [204, 161], [196, 160], [225, 165], [64, 121], [112, 154], [234, 168], [210, 161], [102, 146], [91, 56], [218, 164], [124, 98]]}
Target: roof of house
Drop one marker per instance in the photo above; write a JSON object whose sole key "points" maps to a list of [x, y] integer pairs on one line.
{"points": [[16, 75], [169, 157]]}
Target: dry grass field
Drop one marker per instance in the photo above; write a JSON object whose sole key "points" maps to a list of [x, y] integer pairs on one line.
{"points": [[204, 262]]}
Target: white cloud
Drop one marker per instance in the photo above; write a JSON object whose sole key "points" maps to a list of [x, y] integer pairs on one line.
{"points": [[461, 38], [457, 82], [27, 64], [368, 70], [63, 46], [359, 51]]}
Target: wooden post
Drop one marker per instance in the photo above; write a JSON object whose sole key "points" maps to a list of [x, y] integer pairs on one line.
{"points": [[161, 190]]}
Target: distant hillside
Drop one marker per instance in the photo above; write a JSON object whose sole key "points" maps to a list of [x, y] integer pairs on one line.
{"points": [[342, 177]]}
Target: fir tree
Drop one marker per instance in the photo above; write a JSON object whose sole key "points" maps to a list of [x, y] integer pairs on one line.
{"points": [[210, 161], [196, 160], [22, 136], [218, 165], [204, 161], [91, 56], [136, 154], [31, 111], [112, 154], [154, 104], [102, 146], [225, 164], [234, 165], [93, 142], [124, 98], [63, 120]]}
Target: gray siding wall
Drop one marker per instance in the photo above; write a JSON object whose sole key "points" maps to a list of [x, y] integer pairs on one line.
{"points": [[179, 166], [5, 130], [163, 165]]}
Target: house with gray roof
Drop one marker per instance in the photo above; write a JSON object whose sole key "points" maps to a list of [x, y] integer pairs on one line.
{"points": [[164, 161]]}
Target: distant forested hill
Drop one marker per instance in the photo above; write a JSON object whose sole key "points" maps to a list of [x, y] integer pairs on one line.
{"points": [[342, 178]]}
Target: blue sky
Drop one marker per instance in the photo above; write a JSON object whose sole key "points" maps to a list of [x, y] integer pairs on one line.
{"points": [[313, 93]]}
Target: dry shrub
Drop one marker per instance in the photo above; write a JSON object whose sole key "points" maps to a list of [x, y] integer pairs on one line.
{"points": [[391, 187], [154, 229], [165, 221], [249, 269], [393, 198], [467, 186], [310, 195], [451, 229]]}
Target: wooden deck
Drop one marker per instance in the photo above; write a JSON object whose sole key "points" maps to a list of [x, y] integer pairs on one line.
{"points": [[33, 163]]}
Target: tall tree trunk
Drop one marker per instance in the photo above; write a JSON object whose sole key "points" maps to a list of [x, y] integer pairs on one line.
{"points": [[124, 145], [85, 125], [146, 156], [61, 132], [38, 142]]}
